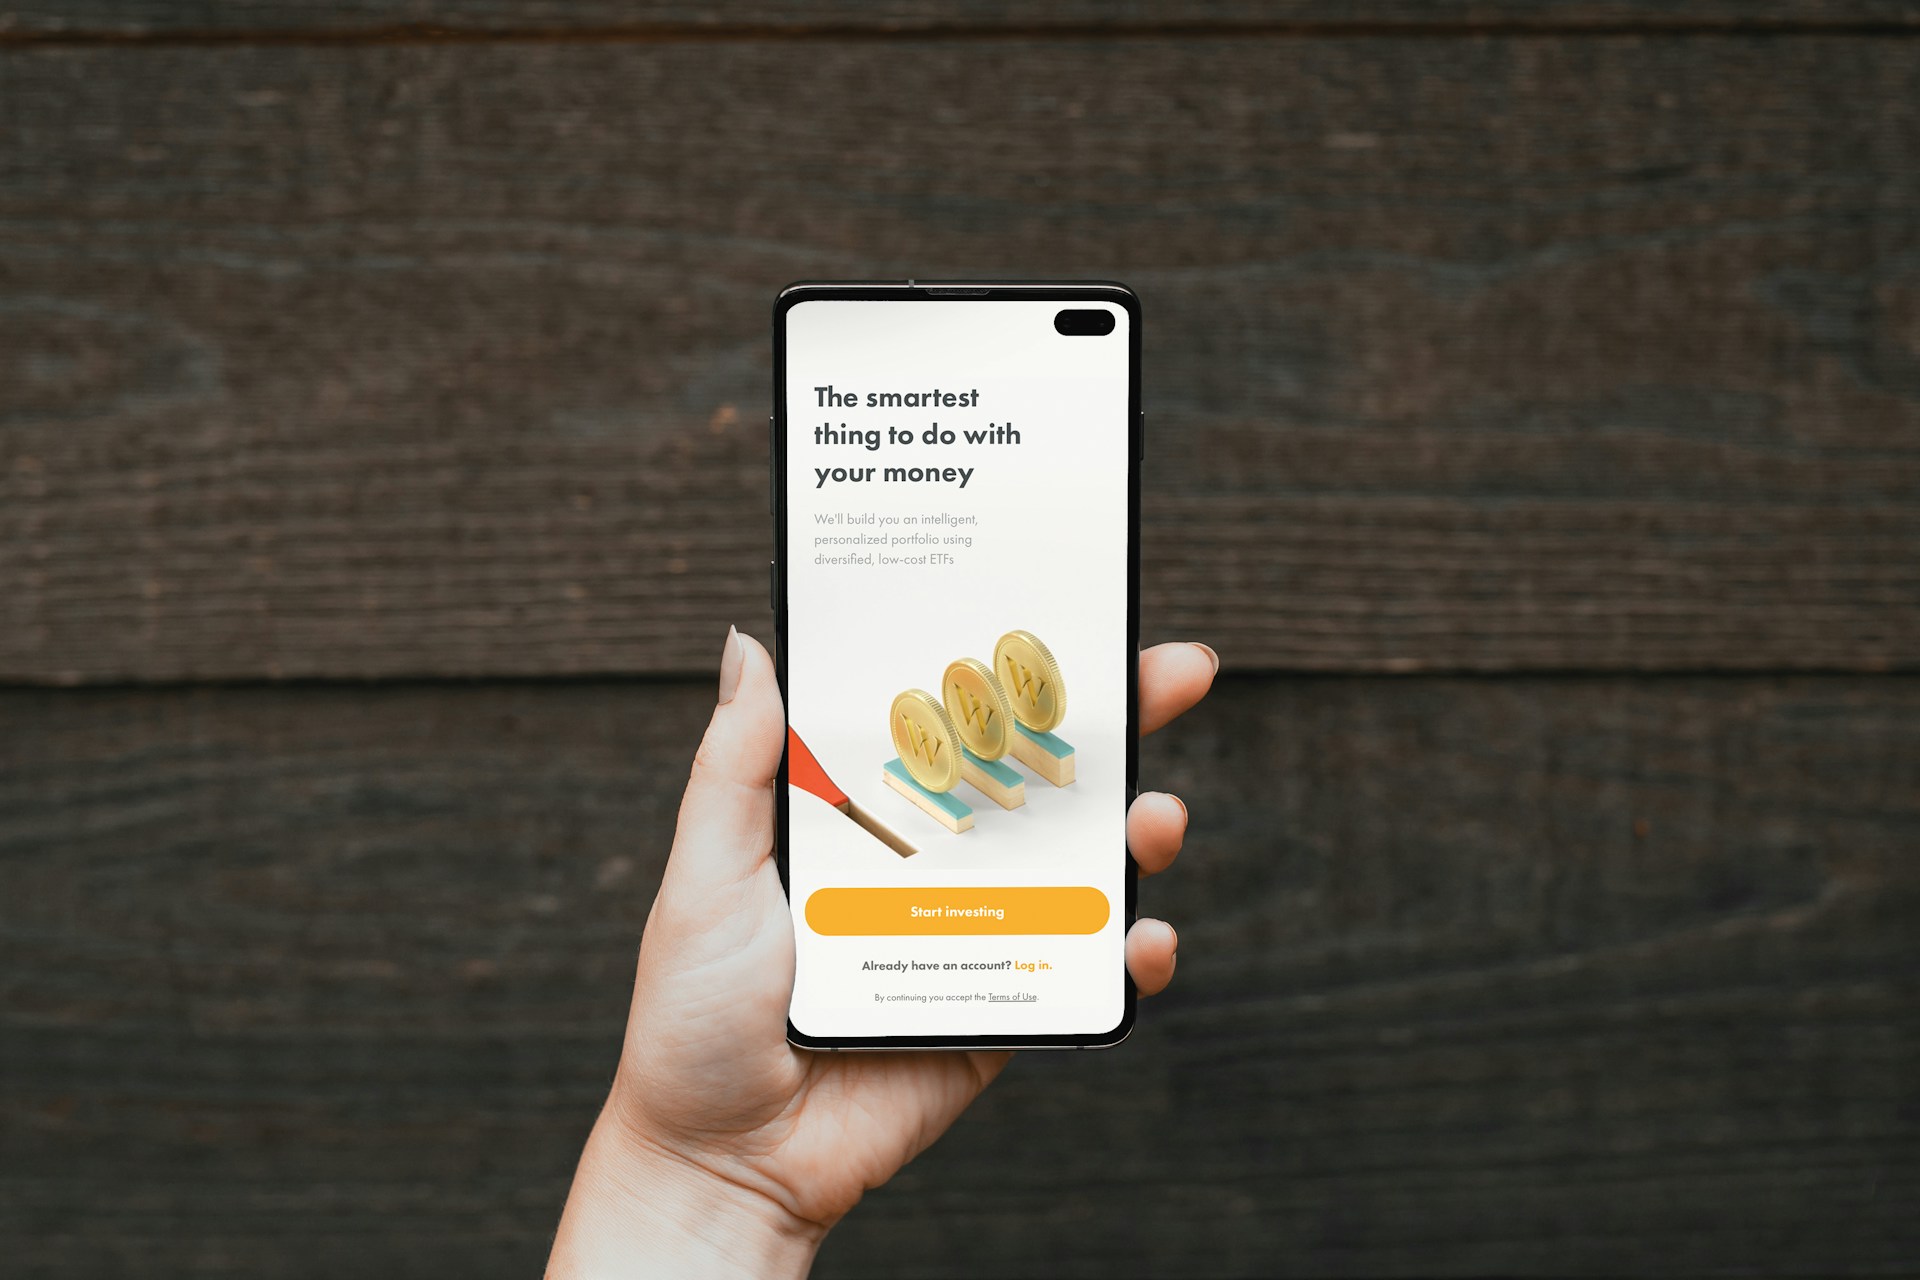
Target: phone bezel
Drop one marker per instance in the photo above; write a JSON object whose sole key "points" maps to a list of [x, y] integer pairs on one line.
{"points": [[935, 292]]}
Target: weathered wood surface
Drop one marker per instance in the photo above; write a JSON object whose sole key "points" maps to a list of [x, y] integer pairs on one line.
{"points": [[1476, 354], [641, 18], [1477, 977]]}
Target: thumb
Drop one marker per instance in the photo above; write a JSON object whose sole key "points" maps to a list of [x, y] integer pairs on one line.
{"points": [[726, 818]]}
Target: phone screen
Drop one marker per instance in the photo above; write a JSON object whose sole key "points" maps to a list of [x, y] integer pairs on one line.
{"points": [[955, 481]]}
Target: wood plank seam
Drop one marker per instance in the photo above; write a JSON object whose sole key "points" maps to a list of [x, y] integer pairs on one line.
{"points": [[684, 33]]}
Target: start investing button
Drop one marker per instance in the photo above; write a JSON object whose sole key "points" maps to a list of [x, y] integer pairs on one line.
{"points": [[870, 912]]}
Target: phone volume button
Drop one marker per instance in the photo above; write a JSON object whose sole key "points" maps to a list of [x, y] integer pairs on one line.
{"points": [[773, 435], [773, 586]]}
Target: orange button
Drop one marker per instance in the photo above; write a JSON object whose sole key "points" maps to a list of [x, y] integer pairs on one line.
{"points": [[873, 912]]}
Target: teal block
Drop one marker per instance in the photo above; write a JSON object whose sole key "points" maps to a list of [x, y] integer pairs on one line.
{"points": [[955, 808], [1058, 748]]}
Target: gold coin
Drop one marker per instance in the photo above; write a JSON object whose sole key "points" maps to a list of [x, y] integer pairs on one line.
{"points": [[1032, 680], [978, 707], [928, 744]]}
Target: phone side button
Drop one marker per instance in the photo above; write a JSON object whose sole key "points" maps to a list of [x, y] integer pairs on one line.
{"points": [[773, 586], [773, 435], [1143, 435]]}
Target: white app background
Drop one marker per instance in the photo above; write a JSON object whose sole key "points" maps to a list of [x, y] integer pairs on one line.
{"points": [[1048, 556]]}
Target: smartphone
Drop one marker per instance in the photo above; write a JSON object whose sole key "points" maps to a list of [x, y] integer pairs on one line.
{"points": [[956, 502]]}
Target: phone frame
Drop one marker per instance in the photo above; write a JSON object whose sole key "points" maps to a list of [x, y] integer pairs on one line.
{"points": [[960, 292]]}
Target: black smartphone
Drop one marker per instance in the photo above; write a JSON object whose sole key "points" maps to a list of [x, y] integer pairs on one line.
{"points": [[956, 502]]}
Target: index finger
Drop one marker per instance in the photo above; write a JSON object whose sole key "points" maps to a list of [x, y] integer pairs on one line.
{"points": [[1173, 677]]}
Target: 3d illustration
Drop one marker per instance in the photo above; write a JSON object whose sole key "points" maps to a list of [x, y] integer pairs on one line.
{"points": [[982, 714], [981, 718], [929, 761], [805, 772], [1039, 698]]}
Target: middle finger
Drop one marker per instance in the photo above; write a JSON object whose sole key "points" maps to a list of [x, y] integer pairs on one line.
{"points": [[1156, 826]]}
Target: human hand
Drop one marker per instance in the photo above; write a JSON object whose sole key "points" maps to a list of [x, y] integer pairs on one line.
{"points": [[722, 1149]]}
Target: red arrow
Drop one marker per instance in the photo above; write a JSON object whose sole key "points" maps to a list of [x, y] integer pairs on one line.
{"points": [[804, 772]]}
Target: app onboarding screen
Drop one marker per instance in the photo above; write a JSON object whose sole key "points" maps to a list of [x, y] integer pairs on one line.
{"points": [[958, 664]]}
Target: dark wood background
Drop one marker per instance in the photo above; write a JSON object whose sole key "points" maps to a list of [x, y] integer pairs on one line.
{"points": [[1534, 394]]}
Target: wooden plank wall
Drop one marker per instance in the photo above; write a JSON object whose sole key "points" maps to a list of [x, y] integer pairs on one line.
{"points": [[1535, 429]]}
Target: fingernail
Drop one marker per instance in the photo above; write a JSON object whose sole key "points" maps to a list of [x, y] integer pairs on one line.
{"points": [[1176, 940], [1177, 800], [1207, 649], [730, 660]]}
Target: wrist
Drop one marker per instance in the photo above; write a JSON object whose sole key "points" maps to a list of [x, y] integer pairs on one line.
{"points": [[637, 1209]]}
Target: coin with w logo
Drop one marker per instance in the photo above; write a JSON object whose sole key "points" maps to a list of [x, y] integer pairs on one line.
{"points": [[978, 706], [928, 744], [1032, 680]]}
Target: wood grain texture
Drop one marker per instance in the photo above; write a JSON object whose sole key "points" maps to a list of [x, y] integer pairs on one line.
{"points": [[1462, 355], [1477, 977], [665, 18]]}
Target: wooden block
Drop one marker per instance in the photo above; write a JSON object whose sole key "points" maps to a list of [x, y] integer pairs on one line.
{"points": [[994, 780], [949, 812], [1047, 755]]}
